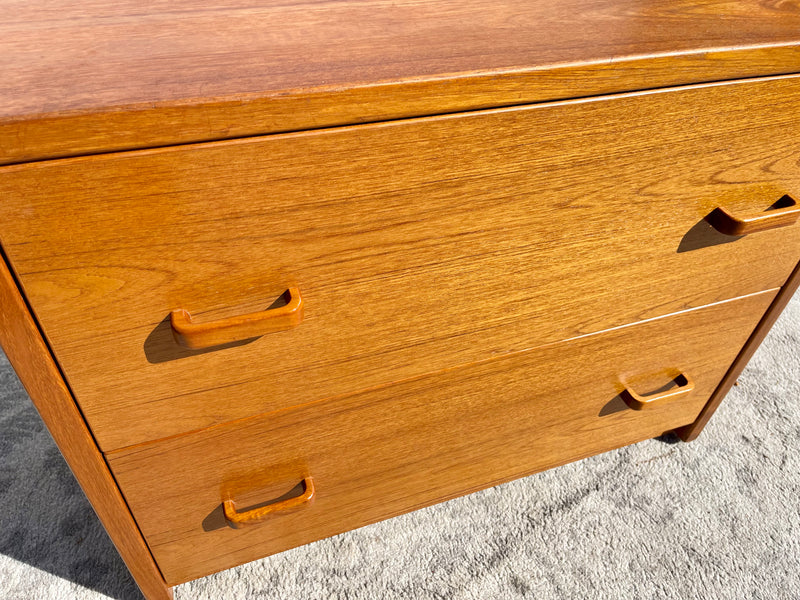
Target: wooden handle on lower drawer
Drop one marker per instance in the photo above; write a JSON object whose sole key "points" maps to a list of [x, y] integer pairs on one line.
{"points": [[239, 519], [785, 212], [197, 336], [637, 402]]}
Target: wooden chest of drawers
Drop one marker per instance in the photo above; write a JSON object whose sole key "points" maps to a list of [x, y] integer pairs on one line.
{"points": [[298, 284]]}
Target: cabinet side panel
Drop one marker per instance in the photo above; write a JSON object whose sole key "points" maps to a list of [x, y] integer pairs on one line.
{"points": [[690, 432], [27, 352]]}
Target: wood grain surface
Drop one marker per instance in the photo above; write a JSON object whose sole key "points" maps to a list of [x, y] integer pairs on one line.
{"points": [[387, 451], [83, 77], [417, 245], [31, 359]]}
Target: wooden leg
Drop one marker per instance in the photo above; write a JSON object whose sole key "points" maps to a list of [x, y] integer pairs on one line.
{"points": [[690, 432], [31, 358]]}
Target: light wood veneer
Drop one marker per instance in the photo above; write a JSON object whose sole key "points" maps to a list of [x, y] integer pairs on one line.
{"points": [[87, 77], [384, 452], [424, 282], [417, 245], [27, 351]]}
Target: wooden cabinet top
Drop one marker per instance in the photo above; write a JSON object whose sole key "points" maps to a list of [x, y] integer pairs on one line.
{"points": [[95, 76]]}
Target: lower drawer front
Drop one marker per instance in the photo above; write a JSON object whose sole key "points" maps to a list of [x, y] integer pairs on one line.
{"points": [[396, 448]]}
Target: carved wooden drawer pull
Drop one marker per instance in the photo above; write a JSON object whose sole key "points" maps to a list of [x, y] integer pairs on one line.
{"points": [[637, 402], [785, 212], [240, 519], [225, 331]]}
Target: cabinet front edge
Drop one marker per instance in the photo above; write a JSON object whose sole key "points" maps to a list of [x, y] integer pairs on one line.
{"points": [[30, 356], [37, 137]]}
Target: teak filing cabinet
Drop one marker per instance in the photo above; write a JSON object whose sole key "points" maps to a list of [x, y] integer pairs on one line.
{"points": [[276, 271]]}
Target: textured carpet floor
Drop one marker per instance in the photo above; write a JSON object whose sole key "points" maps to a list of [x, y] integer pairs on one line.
{"points": [[717, 518]]}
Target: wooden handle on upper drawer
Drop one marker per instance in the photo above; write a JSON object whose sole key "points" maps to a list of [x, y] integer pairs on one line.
{"points": [[784, 213], [637, 402], [225, 331], [239, 519]]}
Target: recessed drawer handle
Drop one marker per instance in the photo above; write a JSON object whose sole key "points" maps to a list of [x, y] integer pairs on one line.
{"points": [[225, 331], [239, 519], [637, 402], [785, 212]]}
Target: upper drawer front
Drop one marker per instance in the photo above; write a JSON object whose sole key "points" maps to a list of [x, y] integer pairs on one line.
{"points": [[380, 453], [417, 245]]}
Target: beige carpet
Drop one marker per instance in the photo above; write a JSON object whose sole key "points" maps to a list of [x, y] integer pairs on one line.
{"points": [[717, 518]]}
